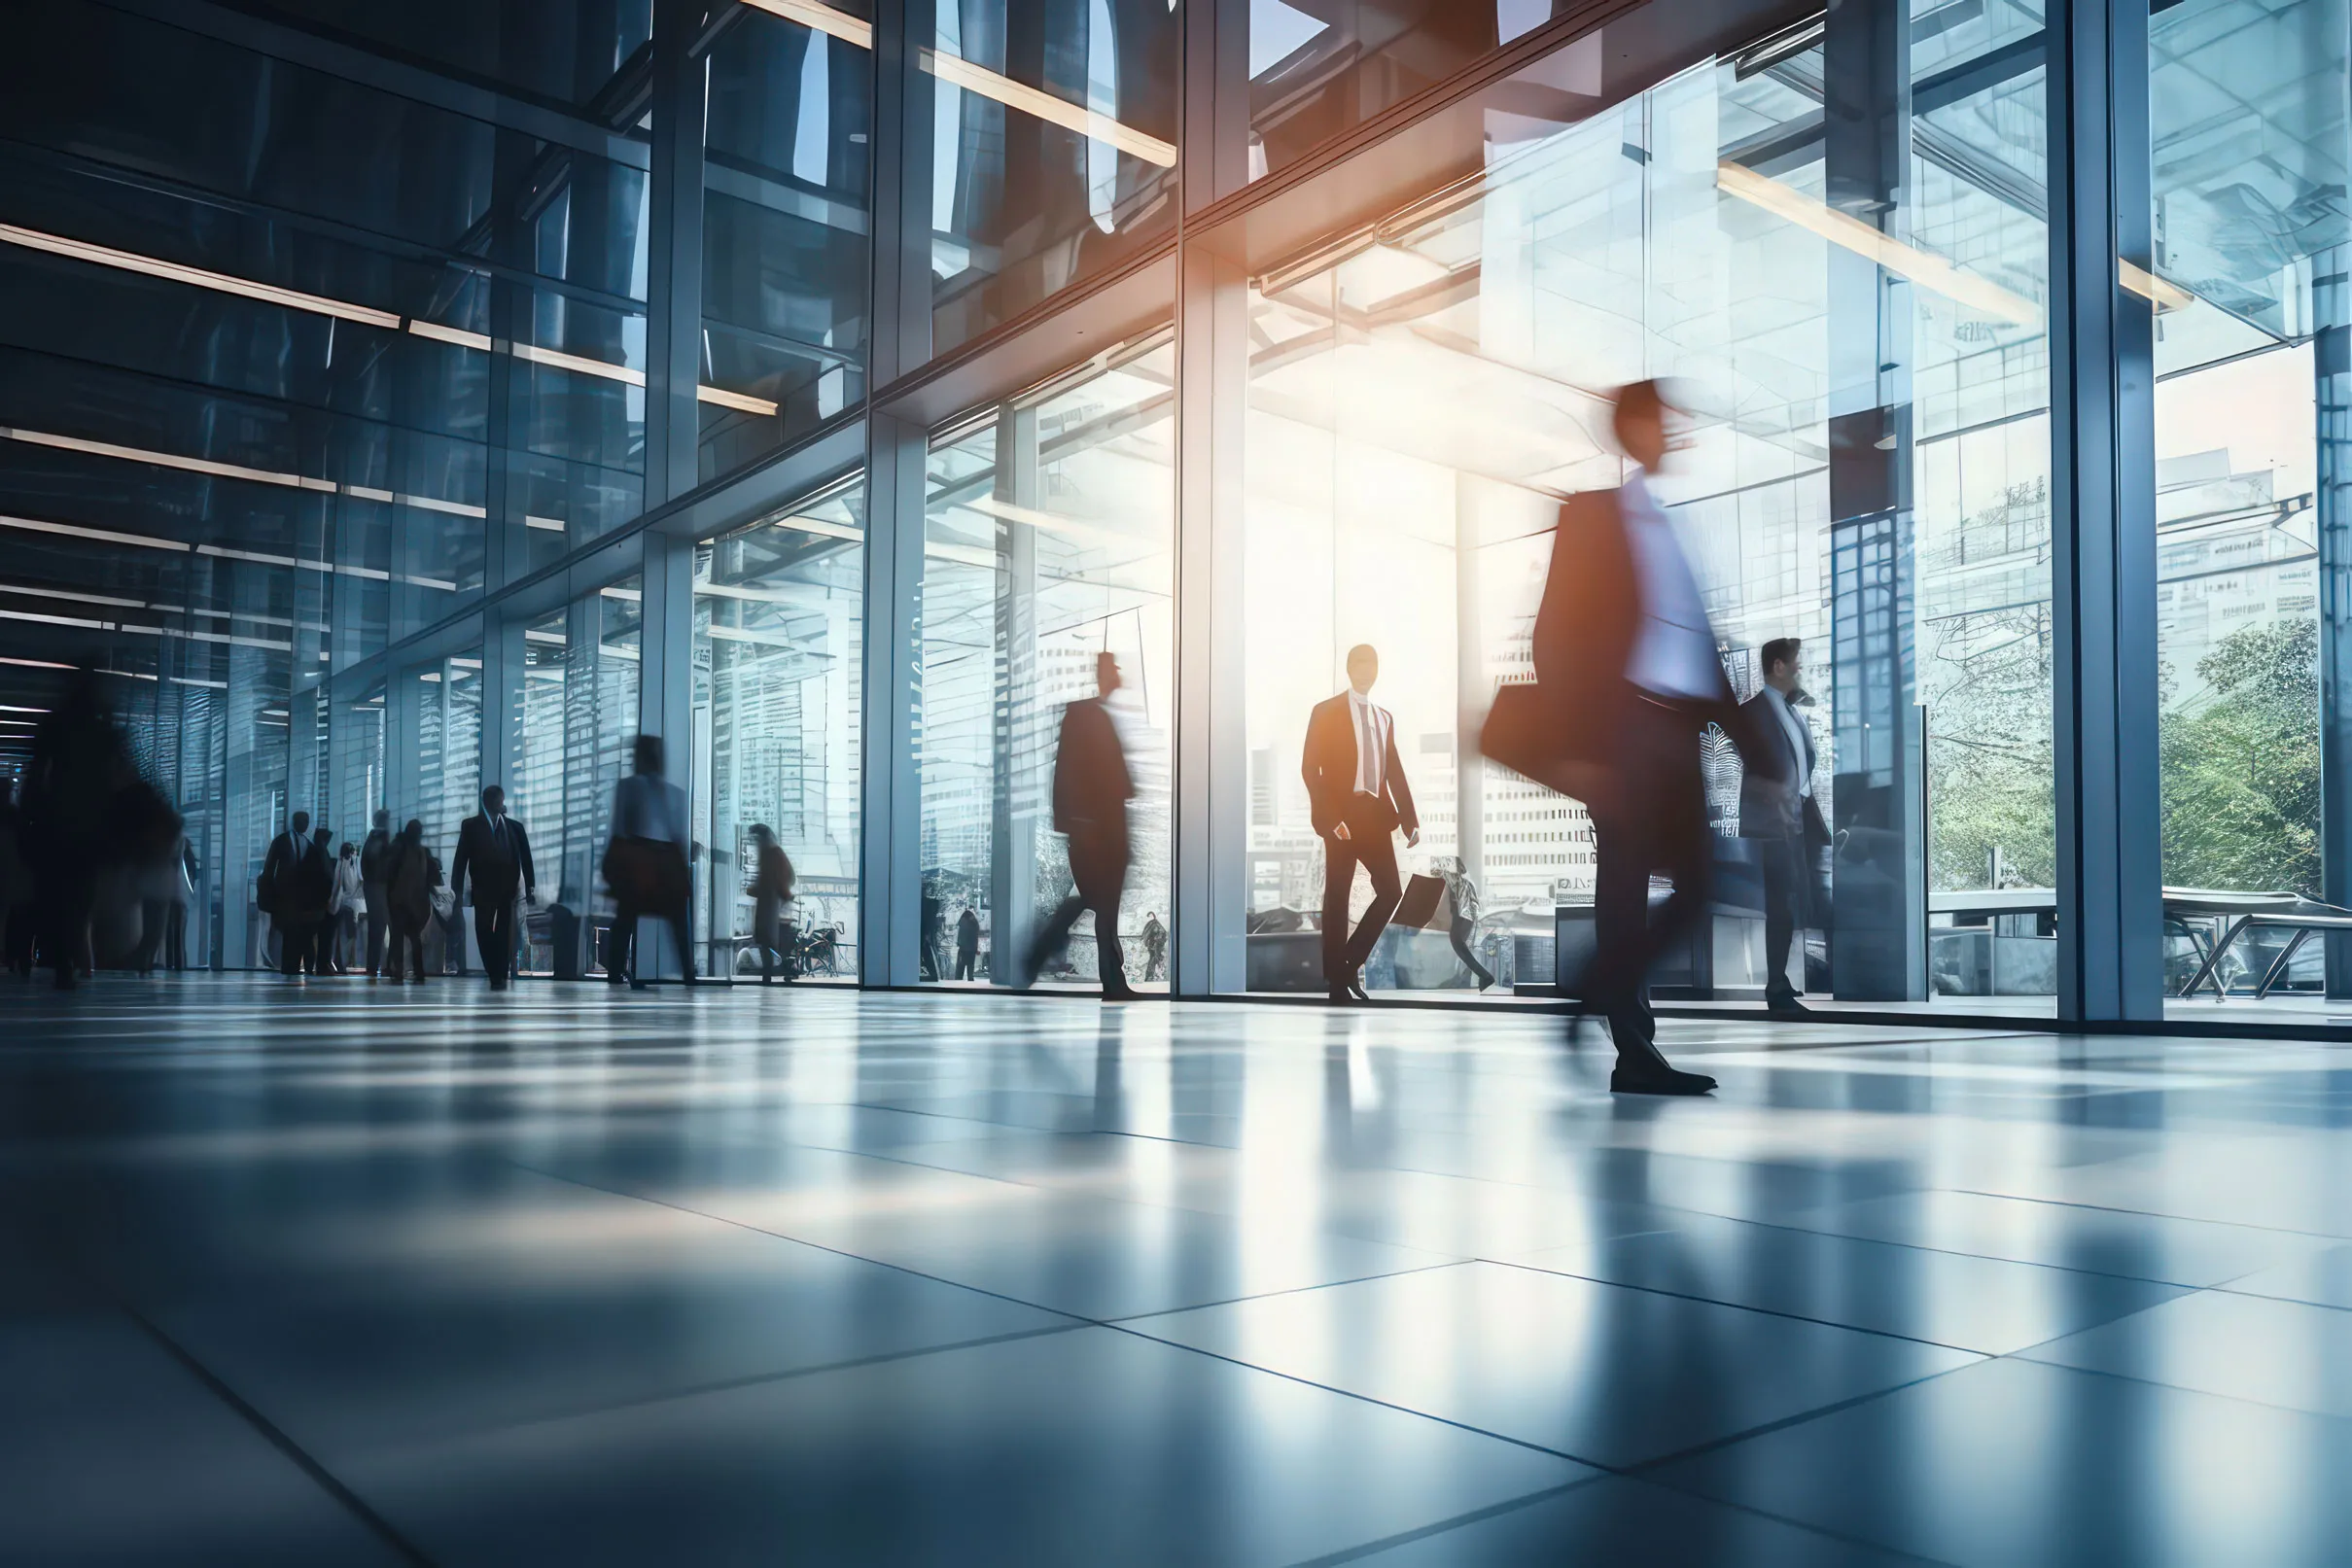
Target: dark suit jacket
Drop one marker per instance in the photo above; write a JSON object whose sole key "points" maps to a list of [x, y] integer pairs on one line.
{"points": [[1091, 785], [1330, 768], [1582, 640], [1769, 806], [296, 880], [496, 876]]}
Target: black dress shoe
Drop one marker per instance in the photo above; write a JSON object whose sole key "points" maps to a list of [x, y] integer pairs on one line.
{"points": [[1659, 1081], [1123, 993], [1786, 1007], [1357, 993], [1341, 993]]}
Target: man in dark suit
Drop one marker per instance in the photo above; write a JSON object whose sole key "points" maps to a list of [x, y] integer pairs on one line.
{"points": [[1092, 788], [1781, 816], [1357, 797], [495, 848], [291, 879], [1627, 666]]}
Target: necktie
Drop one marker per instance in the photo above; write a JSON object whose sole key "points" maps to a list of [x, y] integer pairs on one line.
{"points": [[1366, 741]]}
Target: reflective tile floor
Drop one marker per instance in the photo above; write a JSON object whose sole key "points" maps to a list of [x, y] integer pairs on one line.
{"points": [[341, 1276]]}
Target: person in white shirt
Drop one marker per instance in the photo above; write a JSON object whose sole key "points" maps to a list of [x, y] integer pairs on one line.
{"points": [[1626, 678], [1358, 799], [344, 902], [1781, 817]]}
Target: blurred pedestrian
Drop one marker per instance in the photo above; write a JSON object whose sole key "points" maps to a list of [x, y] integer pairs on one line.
{"points": [[770, 891], [282, 892], [375, 855], [410, 875], [1092, 787], [645, 866], [968, 944], [494, 847], [321, 868], [1462, 893], [85, 810], [343, 906], [1626, 666]]}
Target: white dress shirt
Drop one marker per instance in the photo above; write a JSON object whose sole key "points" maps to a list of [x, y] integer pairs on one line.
{"points": [[1794, 726], [1674, 649], [1373, 727]]}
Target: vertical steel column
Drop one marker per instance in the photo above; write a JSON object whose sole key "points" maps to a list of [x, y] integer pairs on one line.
{"points": [[2102, 451], [1878, 910], [665, 696], [2331, 390], [1472, 691], [1020, 782], [1211, 787], [889, 847], [674, 256], [502, 703]]}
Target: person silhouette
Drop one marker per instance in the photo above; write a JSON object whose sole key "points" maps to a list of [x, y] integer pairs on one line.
{"points": [[1628, 673], [1358, 799], [1092, 787]]}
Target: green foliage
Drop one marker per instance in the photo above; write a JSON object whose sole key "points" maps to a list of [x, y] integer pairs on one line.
{"points": [[2242, 767], [1989, 757]]}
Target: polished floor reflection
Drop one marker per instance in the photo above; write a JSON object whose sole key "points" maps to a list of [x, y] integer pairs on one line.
{"points": [[427, 1275]]}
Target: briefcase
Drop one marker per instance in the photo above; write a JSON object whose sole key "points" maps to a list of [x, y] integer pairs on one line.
{"points": [[1523, 734], [1420, 907]]}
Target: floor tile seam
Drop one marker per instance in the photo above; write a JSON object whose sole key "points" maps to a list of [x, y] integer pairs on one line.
{"points": [[1075, 1319], [1117, 1327], [1809, 1526], [1478, 1515], [1132, 1203], [2329, 1416], [1278, 1295], [757, 1380], [312, 1469], [1650, 1468], [1984, 1257], [2152, 1214], [1740, 1306], [2229, 1288]]}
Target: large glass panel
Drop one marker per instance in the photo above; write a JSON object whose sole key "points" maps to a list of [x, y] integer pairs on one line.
{"points": [[779, 612], [1048, 540], [1319, 68], [2248, 111], [785, 224], [1856, 324], [1056, 157]]}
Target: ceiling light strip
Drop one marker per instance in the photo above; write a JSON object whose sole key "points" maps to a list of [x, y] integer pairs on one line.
{"points": [[131, 262], [1931, 272], [557, 359], [991, 85], [741, 401], [38, 664], [852, 30], [1046, 106], [102, 535], [168, 460]]}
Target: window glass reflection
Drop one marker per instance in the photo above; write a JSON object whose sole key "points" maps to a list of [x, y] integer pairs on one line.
{"points": [[1055, 157], [778, 609], [784, 226], [1048, 540], [2248, 115], [1867, 473]]}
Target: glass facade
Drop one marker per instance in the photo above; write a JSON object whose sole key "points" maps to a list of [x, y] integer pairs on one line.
{"points": [[1048, 542], [828, 408], [778, 629]]}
